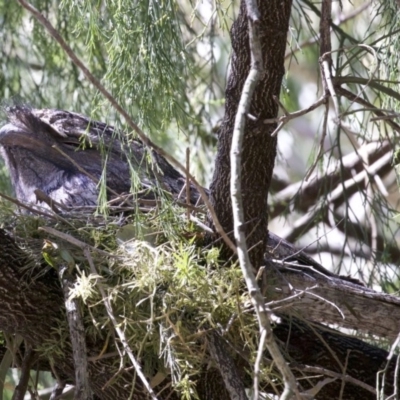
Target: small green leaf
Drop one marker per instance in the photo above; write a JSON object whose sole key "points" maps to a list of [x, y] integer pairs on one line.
{"points": [[49, 260]]}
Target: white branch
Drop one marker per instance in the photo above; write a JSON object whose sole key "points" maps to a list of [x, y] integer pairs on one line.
{"points": [[263, 313]]}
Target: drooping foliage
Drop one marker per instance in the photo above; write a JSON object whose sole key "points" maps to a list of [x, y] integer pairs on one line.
{"points": [[166, 63]]}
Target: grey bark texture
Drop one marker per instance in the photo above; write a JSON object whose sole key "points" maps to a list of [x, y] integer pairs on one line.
{"points": [[259, 148]]}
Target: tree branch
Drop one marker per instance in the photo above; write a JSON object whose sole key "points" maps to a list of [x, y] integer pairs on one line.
{"points": [[219, 352], [20, 390], [256, 70], [76, 331]]}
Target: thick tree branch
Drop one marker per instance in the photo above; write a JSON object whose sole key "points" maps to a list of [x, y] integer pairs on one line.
{"points": [[314, 345], [219, 352], [239, 221], [302, 195]]}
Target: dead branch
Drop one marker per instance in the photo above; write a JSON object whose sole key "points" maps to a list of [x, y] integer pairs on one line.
{"points": [[302, 195], [77, 332]]}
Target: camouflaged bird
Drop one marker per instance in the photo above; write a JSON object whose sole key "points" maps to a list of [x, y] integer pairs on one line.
{"points": [[64, 155]]}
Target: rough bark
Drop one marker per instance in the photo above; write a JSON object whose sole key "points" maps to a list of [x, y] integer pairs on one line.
{"points": [[316, 345], [259, 147], [233, 381]]}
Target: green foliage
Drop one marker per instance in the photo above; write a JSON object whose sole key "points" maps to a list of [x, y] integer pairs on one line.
{"points": [[5, 185], [139, 47], [144, 52], [166, 293]]}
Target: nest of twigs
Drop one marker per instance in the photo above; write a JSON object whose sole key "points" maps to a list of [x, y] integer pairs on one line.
{"points": [[166, 291]]}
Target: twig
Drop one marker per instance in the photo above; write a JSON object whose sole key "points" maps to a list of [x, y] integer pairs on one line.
{"points": [[331, 177], [331, 303], [309, 219], [396, 378], [373, 83], [276, 304], [343, 373], [321, 142], [43, 198], [77, 334], [337, 375], [200, 224], [256, 69], [73, 240], [312, 393], [326, 73], [96, 83], [27, 361], [188, 183], [286, 117], [27, 207], [335, 28], [352, 97], [383, 372], [339, 21], [332, 352], [370, 79], [81, 169], [257, 363]]}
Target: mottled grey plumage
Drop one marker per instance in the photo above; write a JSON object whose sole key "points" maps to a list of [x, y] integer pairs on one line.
{"points": [[29, 144], [63, 154]]}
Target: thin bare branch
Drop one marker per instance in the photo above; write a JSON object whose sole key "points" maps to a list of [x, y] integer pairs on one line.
{"points": [[321, 142], [326, 73], [22, 387], [336, 375], [77, 333], [348, 187], [286, 117], [352, 97], [343, 18]]}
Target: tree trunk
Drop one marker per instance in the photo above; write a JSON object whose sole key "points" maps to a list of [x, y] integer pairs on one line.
{"points": [[259, 148]]}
